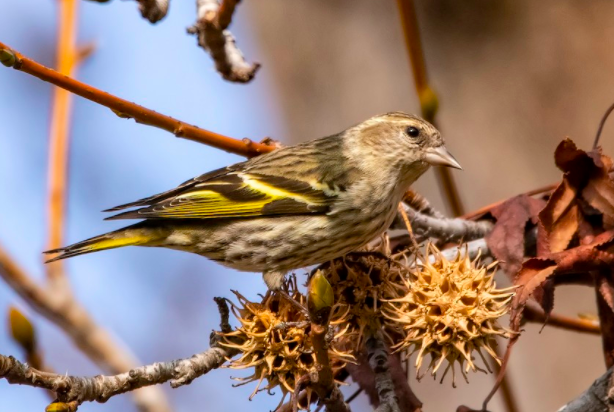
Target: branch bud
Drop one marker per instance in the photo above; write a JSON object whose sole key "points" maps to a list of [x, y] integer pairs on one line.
{"points": [[320, 299], [22, 330]]}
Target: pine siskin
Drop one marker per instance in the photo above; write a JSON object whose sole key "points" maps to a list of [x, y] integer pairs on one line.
{"points": [[294, 207]]}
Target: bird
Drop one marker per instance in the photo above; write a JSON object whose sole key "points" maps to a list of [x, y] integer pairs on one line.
{"points": [[291, 208]]}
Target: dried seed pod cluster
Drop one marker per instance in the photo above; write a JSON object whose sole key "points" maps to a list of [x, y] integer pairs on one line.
{"points": [[274, 339], [450, 311], [362, 282]]}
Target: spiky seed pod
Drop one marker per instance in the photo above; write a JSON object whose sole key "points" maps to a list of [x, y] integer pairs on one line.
{"points": [[274, 339], [362, 282], [450, 310]]}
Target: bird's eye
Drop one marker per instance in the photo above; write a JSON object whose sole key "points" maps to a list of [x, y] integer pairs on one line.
{"points": [[412, 131]]}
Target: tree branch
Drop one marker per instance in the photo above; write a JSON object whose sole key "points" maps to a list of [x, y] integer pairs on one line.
{"points": [[444, 229], [74, 320], [67, 58], [210, 27], [378, 360], [126, 109], [597, 398], [534, 313], [100, 388], [76, 390]]}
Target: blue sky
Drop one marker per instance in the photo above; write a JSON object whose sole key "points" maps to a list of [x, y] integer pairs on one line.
{"points": [[158, 302]]}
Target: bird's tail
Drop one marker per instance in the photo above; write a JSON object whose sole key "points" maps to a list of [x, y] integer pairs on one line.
{"points": [[133, 235]]}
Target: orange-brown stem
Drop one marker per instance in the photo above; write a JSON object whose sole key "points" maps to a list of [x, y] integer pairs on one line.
{"points": [[66, 58], [533, 313], [124, 108], [428, 99]]}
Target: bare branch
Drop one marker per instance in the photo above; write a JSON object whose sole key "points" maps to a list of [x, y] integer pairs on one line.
{"points": [[447, 230], [378, 360], [597, 398], [100, 388], [129, 110], [534, 313], [210, 27], [73, 319], [76, 390], [67, 62]]}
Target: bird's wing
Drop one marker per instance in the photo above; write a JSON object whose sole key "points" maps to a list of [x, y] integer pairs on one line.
{"points": [[233, 192]]}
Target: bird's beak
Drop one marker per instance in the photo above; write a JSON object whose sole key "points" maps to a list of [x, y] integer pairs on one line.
{"points": [[439, 156]]}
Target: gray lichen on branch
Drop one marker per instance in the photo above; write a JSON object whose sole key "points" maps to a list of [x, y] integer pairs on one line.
{"points": [[100, 388], [75, 389], [445, 229], [378, 360], [211, 25]]}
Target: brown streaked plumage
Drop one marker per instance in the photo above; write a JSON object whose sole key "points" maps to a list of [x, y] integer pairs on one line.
{"points": [[294, 207]]}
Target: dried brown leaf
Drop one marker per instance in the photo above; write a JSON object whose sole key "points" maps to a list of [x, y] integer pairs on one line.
{"points": [[533, 273], [507, 239], [560, 218], [595, 256], [587, 187], [599, 191]]}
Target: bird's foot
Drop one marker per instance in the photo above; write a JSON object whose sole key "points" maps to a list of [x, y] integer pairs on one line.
{"points": [[274, 280]]}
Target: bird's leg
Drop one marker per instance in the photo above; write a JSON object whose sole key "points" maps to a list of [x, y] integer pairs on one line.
{"points": [[274, 280]]}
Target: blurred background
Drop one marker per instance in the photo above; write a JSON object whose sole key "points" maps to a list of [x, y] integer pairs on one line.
{"points": [[514, 77]]}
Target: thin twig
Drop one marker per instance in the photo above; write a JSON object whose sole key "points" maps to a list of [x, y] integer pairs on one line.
{"points": [[354, 395], [601, 124], [100, 388], [447, 230], [534, 313], [507, 392], [126, 109], [410, 231], [67, 60], [74, 320], [428, 99], [378, 360], [76, 390], [501, 376], [212, 19]]}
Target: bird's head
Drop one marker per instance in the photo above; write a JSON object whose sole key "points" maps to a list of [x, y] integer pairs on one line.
{"points": [[404, 140]]}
